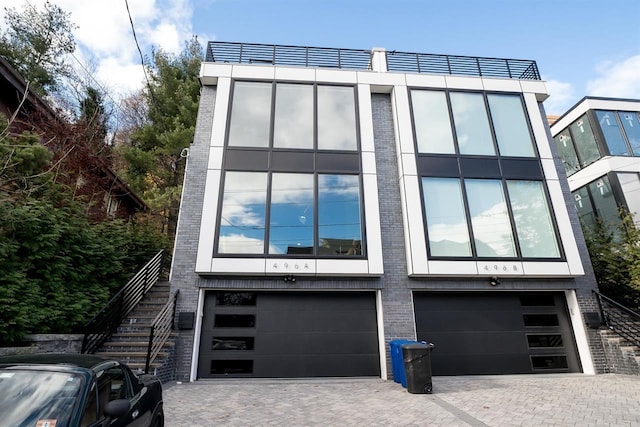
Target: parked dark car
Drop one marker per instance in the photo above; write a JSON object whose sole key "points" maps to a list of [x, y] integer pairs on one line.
{"points": [[76, 390]]}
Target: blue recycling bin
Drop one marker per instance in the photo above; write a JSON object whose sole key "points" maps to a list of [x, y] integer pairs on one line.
{"points": [[397, 361]]}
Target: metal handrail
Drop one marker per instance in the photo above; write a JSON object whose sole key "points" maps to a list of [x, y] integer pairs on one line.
{"points": [[620, 319], [161, 329], [104, 324]]}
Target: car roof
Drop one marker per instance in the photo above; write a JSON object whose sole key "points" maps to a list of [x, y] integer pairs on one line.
{"points": [[70, 361]]}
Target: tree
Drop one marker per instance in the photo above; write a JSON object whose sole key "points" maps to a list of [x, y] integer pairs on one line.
{"points": [[93, 115], [615, 256], [36, 43], [154, 165]]}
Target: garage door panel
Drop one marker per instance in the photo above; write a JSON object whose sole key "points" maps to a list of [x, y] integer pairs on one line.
{"points": [[492, 333], [456, 321], [295, 334], [478, 343]]}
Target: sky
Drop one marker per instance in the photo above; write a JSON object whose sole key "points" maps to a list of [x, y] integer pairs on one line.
{"points": [[582, 47]]}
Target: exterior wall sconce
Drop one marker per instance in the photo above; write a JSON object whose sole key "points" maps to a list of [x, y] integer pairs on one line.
{"points": [[494, 281], [289, 278]]}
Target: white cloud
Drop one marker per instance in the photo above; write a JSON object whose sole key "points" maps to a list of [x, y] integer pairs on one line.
{"points": [[104, 37], [561, 97], [617, 79]]}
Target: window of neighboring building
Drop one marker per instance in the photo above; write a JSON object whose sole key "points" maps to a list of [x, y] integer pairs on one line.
{"points": [[630, 183], [292, 185], [596, 201], [585, 142], [631, 125], [461, 211], [612, 135], [567, 152]]}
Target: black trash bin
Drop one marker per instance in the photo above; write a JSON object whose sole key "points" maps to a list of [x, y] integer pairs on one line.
{"points": [[417, 367]]}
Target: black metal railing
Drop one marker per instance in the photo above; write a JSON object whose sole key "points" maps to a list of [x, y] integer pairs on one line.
{"points": [[104, 324], [462, 65], [359, 59], [620, 319], [267, 54], [161, 330]]}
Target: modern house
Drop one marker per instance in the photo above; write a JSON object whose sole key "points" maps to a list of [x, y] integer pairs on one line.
{"points": [[338, 199], [598, 141], [107, 194]]}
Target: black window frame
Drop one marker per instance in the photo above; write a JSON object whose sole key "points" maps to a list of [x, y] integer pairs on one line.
{"points": [[272, 160], [493, 167]]}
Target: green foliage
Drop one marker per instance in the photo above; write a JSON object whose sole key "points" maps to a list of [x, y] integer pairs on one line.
{"points": [[93, 115], [57, 269], [35, 42], [154, 166], [615, 256]]}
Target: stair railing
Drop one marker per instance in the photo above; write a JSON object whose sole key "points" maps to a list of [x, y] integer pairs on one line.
{"points": [[161, 329], [104, 324], [620, 319]]}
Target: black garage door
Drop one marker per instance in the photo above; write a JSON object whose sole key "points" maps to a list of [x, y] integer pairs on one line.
{"points": [[496, 333], [289, 334]]}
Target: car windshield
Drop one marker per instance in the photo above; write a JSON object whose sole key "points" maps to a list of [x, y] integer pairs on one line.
{"points": [[37, 398]]}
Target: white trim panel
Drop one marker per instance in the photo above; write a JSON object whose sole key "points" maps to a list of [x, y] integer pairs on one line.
{"points": [[426, 80], [567, 238], [402, 116], [453, 268], [579, 333], [208, 222], [372, 224], [366, 118], [538, 126], [253, 72], [466, 83], [195, 355], [295, 74], [335, 76], [220, 112], [601, 167], [381, 343], [347, 267], [275, 266], [237, 266], [415, 239]]}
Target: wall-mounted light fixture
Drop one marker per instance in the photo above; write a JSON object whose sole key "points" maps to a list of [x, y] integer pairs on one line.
{"points": [[289, 278], [494, 281]]}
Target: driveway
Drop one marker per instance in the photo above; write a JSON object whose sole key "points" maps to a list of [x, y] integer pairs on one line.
{"points": [[514, 400]]}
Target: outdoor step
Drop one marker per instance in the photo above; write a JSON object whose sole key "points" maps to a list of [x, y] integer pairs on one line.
{"points": [[128, 354]]}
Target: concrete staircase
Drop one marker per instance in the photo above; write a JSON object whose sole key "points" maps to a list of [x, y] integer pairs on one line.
{"points": [[130, 342]]}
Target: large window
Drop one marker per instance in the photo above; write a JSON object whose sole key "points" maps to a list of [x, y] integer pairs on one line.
{"points": [[612, 135], [292, 183], [596, 201], [567, 152], [584, 141], [483, 125], [307, 214], [488, 218], [298, 107]]}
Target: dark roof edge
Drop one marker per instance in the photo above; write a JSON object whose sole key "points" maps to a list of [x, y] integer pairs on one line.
{"points": [[597, 98]]}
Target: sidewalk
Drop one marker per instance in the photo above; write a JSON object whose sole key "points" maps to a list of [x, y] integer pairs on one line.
{"points": [[516, 400]]}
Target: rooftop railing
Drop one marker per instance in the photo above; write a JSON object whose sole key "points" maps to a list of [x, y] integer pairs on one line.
{"points": [[462, 65], [265, 54], [358, 59]]}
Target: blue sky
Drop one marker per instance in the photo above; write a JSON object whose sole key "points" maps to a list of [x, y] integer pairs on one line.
{"points": [[582, 47]]}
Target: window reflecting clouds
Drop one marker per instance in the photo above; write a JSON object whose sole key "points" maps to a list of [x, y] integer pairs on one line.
{"points": [[510, 125], [250, 115], [291, 223], [339, 228], [446, 219], [472, 124], [293, 127], [612, 135], [431, 122], [242, 223], [567, 152], [336, 118], [534, 225], [489, 218], [631, 125], [584, 141]]}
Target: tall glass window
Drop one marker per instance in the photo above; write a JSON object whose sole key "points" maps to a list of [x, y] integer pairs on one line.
{"points": [[585, 141], [472, 124], [242, 224], [293, 123], [631, 125], [489, 218], [612, 135], [532, 216], [604, 201], [250, 115], [339, 228], [584, 207], [432, 122], [291, 221], [630, 183], [567, 152], [446, 219], [336, 118], [510, 125]]}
